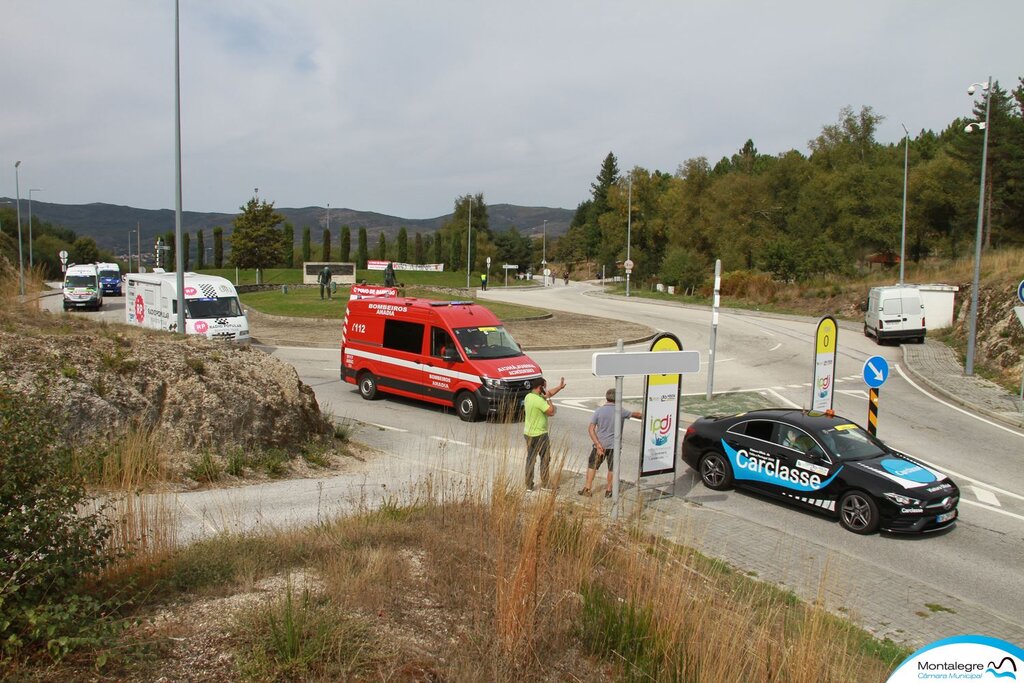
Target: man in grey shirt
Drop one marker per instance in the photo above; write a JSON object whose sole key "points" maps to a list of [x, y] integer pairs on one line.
{"points": [[602, 433]]}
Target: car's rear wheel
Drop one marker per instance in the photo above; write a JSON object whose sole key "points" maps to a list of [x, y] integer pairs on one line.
{"points": [[858, 512], [368, 386], [715, 471], [465, 406]]}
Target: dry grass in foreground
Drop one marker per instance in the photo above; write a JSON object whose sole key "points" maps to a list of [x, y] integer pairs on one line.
{"points": [[463, 585]]}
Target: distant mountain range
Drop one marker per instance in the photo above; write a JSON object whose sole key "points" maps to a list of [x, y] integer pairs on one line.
{"points": [[110, 224]]}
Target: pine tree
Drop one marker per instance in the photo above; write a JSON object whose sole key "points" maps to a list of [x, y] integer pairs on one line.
{"points": [[325, 249], [346, 244], [363, 253]]}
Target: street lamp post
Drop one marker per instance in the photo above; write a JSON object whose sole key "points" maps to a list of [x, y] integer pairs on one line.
{"points": [[179, 256], [21, 259], [130, 233], [469, 240], [629, 227], [903, 229], [544, 254], [34, 189], [972, 334]]}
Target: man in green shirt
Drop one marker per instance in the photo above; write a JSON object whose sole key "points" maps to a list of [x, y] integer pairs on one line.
{"points": [[538, 408]]}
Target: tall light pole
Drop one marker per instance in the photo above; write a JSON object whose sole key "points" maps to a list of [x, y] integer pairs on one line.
{"points": [[903, 230], [469, 239], [179, 257], [544, 254], [629, 226], [34, 189], [972, 334], [21, 259]]}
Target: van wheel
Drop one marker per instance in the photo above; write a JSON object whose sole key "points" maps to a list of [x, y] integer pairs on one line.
{"points": [[867, 332], [368, 386], [465, 406]]}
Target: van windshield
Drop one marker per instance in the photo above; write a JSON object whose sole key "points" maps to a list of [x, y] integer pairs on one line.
{"points": [[223, 307], [80, 281], [110, 273], [487, 342]]}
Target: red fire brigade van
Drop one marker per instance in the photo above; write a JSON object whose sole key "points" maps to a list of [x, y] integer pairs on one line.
{"points": [[453, 353]]}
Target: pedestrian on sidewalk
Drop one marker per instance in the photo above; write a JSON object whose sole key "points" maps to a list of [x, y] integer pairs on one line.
{"points": [[483, 281], [325, 282], [602, 434], [538, 408]]}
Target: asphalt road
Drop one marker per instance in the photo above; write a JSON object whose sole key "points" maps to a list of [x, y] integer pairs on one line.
{"points": [[915, 590]]}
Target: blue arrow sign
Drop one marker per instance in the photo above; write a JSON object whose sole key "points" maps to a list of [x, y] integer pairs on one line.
{"points": [[1020, 291], [876, 371]]}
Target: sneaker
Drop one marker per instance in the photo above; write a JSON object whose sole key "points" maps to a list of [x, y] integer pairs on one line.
{"points": [[548, 487], [607, 494], [585, 492], [529, 489]]}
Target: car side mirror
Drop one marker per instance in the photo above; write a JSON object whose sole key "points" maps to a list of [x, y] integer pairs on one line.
{"points": [[864, 307]]}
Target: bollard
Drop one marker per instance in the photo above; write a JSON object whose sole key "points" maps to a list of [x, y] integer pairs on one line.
{"points": [[284, 289]]}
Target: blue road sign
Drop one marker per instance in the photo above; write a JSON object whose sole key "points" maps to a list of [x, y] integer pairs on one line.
{"points": [[1020, 291], [876, 371]]}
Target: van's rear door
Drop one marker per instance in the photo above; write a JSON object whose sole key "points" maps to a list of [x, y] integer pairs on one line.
{"points": [[891, 313]]}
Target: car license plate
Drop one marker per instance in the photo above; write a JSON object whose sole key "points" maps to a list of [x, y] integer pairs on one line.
{"points": [[945, 517]]}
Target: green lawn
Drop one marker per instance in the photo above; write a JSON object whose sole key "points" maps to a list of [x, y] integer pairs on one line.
{"points": [[306, 303]]}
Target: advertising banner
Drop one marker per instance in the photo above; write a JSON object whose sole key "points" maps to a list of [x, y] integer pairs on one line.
{"points": [[381, 265], [825, 350], [661, 415]]}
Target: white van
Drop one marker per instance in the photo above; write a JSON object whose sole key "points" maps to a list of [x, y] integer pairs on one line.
{"points": [[82, 287], [895, 313], [212, 308]]}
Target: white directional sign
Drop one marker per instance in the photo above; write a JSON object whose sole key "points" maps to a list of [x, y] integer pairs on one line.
{"points": [[645, 363]]}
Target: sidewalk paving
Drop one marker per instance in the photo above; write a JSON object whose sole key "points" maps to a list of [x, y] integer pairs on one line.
{"points": [[936, 365]]}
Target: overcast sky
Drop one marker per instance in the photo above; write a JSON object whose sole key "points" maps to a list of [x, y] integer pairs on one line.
{"points": [[399, 107]]}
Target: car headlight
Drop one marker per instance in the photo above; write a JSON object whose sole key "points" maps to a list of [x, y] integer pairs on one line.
{"points": [[492, 383], [904, 501]]}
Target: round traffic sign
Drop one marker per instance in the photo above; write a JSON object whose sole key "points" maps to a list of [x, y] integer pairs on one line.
{"points": [[1020, 291], [876, 371], [64, 256], [628, 264]]}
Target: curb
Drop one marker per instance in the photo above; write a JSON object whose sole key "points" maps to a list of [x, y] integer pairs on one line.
{"points": [[949, 396]]}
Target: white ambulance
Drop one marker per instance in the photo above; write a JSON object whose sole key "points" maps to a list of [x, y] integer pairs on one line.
{"points": [[82, 287], [212, 308]]}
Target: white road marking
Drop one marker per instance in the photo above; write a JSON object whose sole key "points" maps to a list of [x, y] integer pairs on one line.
{"points": [[857, 393], [992, 509], [390, 429], [775, 347], [444, 439], [959, 410], [783, 399], [985, 496]]}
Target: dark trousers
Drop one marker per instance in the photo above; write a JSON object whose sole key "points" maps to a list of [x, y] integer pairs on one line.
{"points": [[322, 288], [538, 445]]}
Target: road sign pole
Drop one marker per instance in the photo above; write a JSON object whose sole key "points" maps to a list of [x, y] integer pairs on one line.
{"points": [[714, 330], [873, 411], [617, 453]]}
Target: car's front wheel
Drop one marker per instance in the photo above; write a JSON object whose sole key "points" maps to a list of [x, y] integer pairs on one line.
{"points": [[715, 471], [858, 512]]}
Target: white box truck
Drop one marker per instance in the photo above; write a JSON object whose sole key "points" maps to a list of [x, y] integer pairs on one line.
{"points": [[212, 308], [895, 313]]}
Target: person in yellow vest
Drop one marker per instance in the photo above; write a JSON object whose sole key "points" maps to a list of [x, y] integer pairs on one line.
{"points": [[538, 408]]}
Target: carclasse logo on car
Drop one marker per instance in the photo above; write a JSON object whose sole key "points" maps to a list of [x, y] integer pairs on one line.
{"points": [[770, 471]]}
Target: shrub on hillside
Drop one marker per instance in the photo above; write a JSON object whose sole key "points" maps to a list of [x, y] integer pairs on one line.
{"points": [[49, 547]]}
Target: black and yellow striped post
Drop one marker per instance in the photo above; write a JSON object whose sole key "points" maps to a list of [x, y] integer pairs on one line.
{"points": [[873, 412]]}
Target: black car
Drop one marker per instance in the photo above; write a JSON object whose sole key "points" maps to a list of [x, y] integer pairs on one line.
{"points": [[823, 462]]}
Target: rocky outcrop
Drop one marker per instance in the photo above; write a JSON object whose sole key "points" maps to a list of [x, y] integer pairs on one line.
{"points": [[195, 394], [1000, 341]]}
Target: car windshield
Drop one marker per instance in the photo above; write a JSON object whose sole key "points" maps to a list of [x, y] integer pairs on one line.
{"points": [[80, 281], [487, 342], [850, 442], [109, 273], [223, 307]]}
